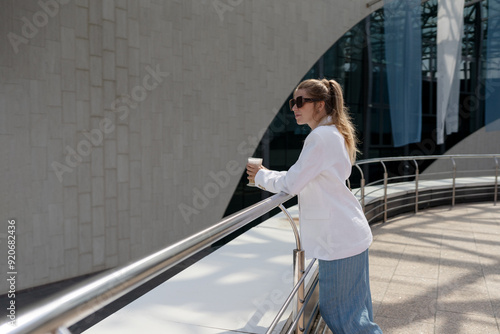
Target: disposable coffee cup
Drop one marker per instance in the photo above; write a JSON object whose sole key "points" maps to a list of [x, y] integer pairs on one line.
{"points": [[253, 161]]}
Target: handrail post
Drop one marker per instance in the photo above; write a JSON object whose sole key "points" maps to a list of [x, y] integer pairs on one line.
{"points": [[496, 182], [363, 194], [454, 177], [298, 272], [416, 185], [386, 176], [292, 294], [362, 185], [299, 264], [298, 245]]}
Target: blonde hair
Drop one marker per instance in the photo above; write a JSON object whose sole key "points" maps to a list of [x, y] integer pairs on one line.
{"points": [[331, 92]]}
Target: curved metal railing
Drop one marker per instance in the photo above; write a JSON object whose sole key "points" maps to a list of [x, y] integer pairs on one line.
{"points": [[376, 201], [57, 314], [378, 189]]}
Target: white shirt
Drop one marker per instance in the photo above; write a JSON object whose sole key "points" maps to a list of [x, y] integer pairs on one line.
{"points": [[332, 223]]}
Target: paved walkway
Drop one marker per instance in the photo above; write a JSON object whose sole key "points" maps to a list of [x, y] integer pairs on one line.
{"points": [[438, 271]]}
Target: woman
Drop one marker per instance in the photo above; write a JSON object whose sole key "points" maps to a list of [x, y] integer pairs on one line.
{"points": [[333, 227]]}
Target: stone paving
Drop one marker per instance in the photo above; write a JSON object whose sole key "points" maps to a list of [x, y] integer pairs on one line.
{"points": [[438, 271]]}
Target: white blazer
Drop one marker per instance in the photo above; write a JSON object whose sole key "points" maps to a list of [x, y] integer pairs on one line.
{"points": [[332, 223]]}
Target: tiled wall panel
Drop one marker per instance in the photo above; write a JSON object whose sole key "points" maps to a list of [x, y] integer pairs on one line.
{"points": [[114, 113]]}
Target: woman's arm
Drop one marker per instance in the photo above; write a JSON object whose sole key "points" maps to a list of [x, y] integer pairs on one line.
{"points": [[312, 161]]}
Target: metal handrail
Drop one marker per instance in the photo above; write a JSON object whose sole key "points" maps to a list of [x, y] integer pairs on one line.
{"points": [[496, 180], [289, 300], [58, 313], [298, 272], [416, 185], [427, 157], [418, 175], [298, 244], [77, 303], [298, 317], [302, 310]]}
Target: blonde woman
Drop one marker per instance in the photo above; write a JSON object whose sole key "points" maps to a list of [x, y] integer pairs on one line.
{"points": [[332, 224]]}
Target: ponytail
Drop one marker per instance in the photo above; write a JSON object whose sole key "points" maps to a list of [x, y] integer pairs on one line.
{"points": [[342, 119]]}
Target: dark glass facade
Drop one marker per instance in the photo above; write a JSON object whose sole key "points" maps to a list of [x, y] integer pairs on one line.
{"points": [[357, 62]]}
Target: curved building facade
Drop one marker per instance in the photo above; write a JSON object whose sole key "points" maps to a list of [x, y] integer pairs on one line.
{"points": [[125, 125]]}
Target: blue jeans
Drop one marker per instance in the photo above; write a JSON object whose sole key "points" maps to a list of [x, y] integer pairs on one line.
{"points": [[344, 295]]}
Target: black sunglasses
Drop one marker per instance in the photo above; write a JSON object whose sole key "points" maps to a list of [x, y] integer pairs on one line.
{"points": [[299, 101]]}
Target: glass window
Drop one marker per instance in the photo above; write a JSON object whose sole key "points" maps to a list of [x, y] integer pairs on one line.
{"points": [[357, 62]]}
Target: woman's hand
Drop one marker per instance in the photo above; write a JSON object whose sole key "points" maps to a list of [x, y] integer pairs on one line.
{"points": [[252, 170]]}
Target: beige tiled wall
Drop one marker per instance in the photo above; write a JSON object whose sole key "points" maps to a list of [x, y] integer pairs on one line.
{"points": [[155, 97]]}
